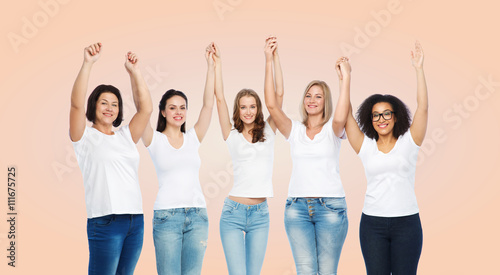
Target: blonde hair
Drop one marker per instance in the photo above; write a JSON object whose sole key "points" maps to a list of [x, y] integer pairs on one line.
{"points": [[328, 106]]}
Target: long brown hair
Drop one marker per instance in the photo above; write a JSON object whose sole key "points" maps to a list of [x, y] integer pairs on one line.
{"points": [[259, 123]]}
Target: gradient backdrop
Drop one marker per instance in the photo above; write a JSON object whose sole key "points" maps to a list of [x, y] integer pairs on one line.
{"points": [[457, 180]]}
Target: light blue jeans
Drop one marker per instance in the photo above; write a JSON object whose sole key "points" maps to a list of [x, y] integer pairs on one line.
{"points": [[180, 236], [316, 230], [243, 231]]}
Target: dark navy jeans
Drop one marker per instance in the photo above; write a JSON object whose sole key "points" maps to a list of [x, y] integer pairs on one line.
{"points": [[391, 244], [115, 243]]}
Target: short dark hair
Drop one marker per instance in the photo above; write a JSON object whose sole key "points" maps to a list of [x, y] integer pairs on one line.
{"points": [[401, 113], [94, 96], [162, 121]]}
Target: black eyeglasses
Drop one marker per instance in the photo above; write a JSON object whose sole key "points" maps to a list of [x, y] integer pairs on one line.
{"points": [[386, 114]]}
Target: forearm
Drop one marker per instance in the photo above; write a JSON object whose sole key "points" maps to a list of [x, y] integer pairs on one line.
{"points": [[278, 77], [208, 95], [269, 91], [343, 103], [422, 98], [80, 86], [140, 93]]}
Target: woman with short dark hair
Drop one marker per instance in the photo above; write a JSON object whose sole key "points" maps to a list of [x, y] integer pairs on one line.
{"points": [[109, 162], [387, 141]]}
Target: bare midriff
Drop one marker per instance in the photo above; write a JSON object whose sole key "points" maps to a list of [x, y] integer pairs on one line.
{"points": [[247, 201]]}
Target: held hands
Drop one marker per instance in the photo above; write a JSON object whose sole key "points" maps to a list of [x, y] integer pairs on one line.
{"points": [[271, 47], [92, 53], [210, 54], [417, 56], [343, 67], [131, 61]]}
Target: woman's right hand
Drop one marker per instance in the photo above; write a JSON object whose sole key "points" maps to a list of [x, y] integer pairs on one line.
{"points": [[343, 67], [270, 47], [92, 53]]}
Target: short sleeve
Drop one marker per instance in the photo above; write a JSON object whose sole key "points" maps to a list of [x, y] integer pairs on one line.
{"points": [[409, 139], [293, 131], [84, 136], [154, 140], [364, 146], [126, 132], [191, 133]]}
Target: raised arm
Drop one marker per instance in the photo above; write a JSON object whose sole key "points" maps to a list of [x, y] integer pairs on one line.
{"points": [[142, 98], [278, 77], [224, 120], [343, 69], [354, 134], [274, 94], [77, 118], [203, 122], [419, 124]]}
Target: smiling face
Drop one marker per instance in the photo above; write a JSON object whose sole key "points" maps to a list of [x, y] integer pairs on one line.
{"points": [[248, 109], [107, 108], [383, 126], [314, 100], [175, 111]]}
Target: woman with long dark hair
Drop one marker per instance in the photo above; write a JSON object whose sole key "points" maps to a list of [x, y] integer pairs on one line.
{"points": [[180, 224], [387, 141], [244, 222], [109, 162]]}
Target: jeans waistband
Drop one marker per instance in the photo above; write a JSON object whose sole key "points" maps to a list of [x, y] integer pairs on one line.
{"points": [[236, 205], [182, 209], [315, 200]]}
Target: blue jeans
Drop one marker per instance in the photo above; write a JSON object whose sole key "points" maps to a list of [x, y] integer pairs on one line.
{"points": [[243, 231], [115, 243], [180, 236], [316, 229], [391, 244]]}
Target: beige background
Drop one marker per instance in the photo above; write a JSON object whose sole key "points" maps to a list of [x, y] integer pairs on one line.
{"points": [[457, 180]]}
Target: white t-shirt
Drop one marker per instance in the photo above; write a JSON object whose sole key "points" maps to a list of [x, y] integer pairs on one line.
{"points": [[177, 171], [252, 164], [109, 165], [315, 171], [390, 177]]}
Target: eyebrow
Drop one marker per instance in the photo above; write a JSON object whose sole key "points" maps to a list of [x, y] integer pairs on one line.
{"points": [[383, 111], [108, 101], [169, 105]]}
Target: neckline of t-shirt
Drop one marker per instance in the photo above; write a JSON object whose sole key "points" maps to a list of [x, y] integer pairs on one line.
{"points": [[112, 135], [318, 134], [251, 143], [168, 142], [393, 148]]}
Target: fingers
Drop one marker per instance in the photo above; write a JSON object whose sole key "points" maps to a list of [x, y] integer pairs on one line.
{"points": [[93, 49], [131, 57]]}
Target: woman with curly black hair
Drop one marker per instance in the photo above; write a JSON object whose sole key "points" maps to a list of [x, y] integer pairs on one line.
{"points": [[387, 141]]}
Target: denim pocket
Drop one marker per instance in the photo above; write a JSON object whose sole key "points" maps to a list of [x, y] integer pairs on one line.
{"points": [[227, 209], [202, 212], [264, 210], [335, 204], [289, 202], [103, 221], [161, 216]]}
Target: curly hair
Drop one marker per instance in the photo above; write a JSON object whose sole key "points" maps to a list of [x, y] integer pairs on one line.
{"points": [[259, 122], [162, 121], [92, 102], [401, 113]]}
